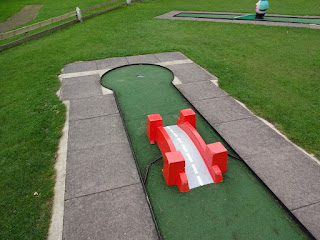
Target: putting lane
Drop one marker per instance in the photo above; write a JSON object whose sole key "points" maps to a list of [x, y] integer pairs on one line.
{"points": [[238, 208], [196, 170], [267, 18]]}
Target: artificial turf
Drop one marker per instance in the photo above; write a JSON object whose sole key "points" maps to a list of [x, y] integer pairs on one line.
{"points": [[266, 18], [238, 208]]}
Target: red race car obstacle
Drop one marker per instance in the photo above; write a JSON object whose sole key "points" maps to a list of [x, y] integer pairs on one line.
{"points": [[205, 163]]}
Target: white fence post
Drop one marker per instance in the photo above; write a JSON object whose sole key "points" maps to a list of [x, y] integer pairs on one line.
{"points": [[79, 14]]}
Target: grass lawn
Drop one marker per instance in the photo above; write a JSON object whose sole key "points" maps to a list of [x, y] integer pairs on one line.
{"points": [[274, 70], [49, 9]]}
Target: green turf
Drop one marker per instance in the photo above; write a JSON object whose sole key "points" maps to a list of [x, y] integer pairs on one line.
{"points": [[247, 17], [235, 17], [293, 20], [238, 208], [274, 70]]}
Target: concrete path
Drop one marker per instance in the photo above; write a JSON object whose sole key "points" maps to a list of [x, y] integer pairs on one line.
{"points": [[104, 198], [171, 16], [26, 14]]}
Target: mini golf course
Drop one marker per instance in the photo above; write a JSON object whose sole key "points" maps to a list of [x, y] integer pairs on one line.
{"points": [[251, 17], [245, 18], [240, 207]]}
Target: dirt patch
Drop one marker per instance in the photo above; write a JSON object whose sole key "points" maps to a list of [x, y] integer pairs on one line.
{"points": [[26, 14]]}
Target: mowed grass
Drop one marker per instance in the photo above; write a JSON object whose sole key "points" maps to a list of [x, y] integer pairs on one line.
{"points": [[49, 9], [274, 70]]}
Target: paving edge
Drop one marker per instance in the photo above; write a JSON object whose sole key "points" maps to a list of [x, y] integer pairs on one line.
{"points": [[270, 125], [56, 224]]}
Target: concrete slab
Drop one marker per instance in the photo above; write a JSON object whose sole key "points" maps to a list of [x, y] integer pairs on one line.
{"points": [[80, 66], [97, 131], [250, 137], [120, 213], [148, 58], [170, 56], [99, 169], [111, 62], [92, 107], [168, 15], [314, 26], [310, 217], [220, 110], [290, 174], [78, 79], [201, 90], [190, 72], [80, 87]]}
